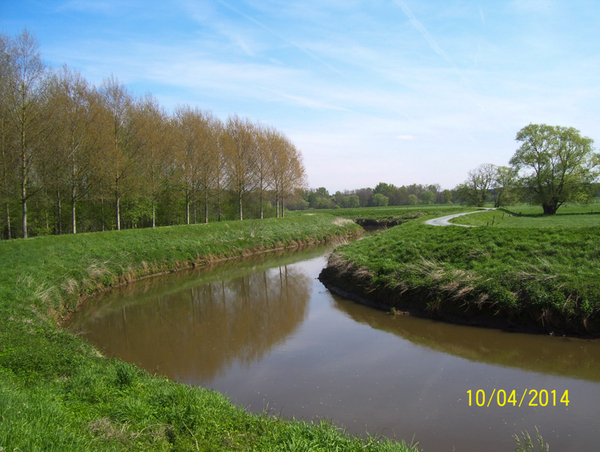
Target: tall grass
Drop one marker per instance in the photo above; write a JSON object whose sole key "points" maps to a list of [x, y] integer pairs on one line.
{"points": [[57, 393], [542, 276]]}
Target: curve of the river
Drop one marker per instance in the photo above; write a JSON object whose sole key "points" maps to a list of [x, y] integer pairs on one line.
{"points": [[269, 335]]}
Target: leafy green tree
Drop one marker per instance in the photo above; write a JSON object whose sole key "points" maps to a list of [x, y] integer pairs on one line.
{"points": [[556, 165], [476, 189], [413, 200], [352, 201], [505, 186], [447, 196], [380, 200], [427, 197], [322, 191]]}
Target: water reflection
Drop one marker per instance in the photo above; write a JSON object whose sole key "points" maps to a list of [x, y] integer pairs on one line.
{"points": [[199, 330], [569, 357], [268, 334]]}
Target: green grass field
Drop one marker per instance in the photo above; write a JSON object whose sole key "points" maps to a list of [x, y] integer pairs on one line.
{"points": [[525, 216], [526, 269], [57, 393], [390, 211]]}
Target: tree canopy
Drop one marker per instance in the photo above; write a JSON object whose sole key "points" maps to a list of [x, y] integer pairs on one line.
{"points": [[556, 165], [113, 160]]}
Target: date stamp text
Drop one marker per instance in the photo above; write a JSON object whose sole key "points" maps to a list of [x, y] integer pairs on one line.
{"points": [[529, 397]]}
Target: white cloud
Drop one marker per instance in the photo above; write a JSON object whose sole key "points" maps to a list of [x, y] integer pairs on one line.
{"points": [[399, 113]]}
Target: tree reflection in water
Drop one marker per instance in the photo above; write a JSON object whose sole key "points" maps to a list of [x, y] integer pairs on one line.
{"points": [[198, 333]]}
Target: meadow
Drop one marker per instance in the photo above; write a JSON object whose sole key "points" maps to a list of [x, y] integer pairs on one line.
{"points": [[519, 270], [58, 393], [526, 216]]}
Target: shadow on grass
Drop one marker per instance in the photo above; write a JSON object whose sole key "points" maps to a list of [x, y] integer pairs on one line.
{"points": [[543, 215]]}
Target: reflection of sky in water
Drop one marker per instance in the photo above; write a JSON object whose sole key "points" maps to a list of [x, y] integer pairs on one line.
{"points": [[310, 354]]}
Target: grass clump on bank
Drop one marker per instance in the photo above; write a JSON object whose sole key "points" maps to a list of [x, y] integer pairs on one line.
{"points": [[516, 277], [57, 393]]}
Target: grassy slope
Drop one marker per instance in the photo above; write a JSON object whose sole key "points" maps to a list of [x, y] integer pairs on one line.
{"points": [[532, 217], [547, 275], [57, 393]]}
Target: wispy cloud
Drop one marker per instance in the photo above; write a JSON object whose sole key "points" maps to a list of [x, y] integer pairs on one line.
{"points": [[419, 26], [280, 36], [434, 45], [396, 114], [304, 101]]}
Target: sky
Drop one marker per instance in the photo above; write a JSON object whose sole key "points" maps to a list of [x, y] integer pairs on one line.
{"points": [[395, 91]]}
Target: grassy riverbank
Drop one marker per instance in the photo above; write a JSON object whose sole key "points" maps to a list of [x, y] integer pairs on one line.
{"points": [[57, 392], [386, 217], [543, 278]]}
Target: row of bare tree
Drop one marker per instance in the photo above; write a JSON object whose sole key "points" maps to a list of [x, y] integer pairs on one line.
{"points": [[67, 146]]}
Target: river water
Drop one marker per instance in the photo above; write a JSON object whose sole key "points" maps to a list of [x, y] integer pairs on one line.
{"points": [[268, 334]]}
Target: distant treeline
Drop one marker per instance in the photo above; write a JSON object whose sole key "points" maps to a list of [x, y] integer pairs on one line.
{"points": [[416, 194], [382, 195], [76, 157]]}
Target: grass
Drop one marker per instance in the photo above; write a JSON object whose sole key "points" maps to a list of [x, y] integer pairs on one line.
{"points": [[526, 216], [390, 211], [58, 393], [385, 217], [545, 276]]}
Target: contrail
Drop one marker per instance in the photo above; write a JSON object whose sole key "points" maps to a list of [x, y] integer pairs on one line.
{"points": [[419, 26], [437, 49], [280, 36]]}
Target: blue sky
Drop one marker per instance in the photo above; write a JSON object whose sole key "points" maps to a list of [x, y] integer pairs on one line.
{"points": [[396, 91]]}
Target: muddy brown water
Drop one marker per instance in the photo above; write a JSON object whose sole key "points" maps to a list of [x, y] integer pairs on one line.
{"points": [[267, 333]]}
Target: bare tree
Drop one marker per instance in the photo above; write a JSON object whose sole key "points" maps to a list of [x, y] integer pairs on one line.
{"points": [[266, 139], [8, 158], [158, 158], [75, 137], [121, 152], [240, 151], [288, 172], [27, 111]]}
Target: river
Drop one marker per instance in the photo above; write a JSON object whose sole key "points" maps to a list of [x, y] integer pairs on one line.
{"points": [[268, 334]]}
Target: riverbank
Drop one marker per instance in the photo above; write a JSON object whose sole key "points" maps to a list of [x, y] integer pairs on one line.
{"points": [[528, 279], [57, 391]]}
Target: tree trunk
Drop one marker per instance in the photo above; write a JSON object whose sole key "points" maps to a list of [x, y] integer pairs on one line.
{"points": [[8, 220], [102, 219], [187, 210], [118, 207], [550, 208], [240, 201], [58, 212], [73, 210], [219, 205], [73, 217], [261, 206], [24, 206], [206, 207]]}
